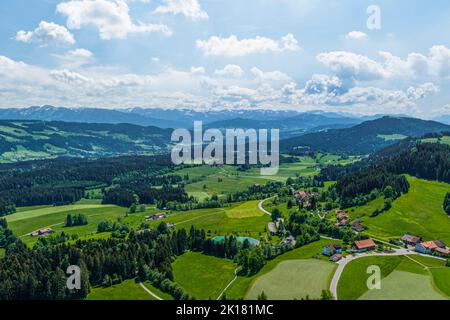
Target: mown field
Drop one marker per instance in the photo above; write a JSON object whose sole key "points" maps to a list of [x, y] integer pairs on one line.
{"points": [[403, 278], [294, 279], [204, 277], [243, 219], [243, 285], [26, 221], [127, 290], [419, 212]]}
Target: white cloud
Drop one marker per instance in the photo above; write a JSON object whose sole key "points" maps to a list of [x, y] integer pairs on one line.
{"points": [[352, 65], [356, 35], [75, 58], [231, 71], [233, 47], [46, 33], [188, 8], [436, 64], [111, 18], [197, 70], [69, 77], [270, 76]]}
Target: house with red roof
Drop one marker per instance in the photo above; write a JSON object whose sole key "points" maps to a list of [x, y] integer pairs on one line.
{"points": [[365, 245]]}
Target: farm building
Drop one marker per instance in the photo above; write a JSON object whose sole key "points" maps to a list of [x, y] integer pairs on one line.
{"points": [[332, 249], [42, 232], [342, 223], [411, 240], [365, 245], [289, 240], [430, 246], [272, 227], [357, 227], [336, 257], [341, 215], [158, 216]]}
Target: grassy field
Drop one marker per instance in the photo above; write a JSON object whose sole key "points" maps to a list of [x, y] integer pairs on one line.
{"points": [[419, 212], [242, 285], [246, 210], [352, 283], [223, 221], [2, 253], [403, 278], [26, 221], [400, 285], [203, 276], [127, 290], [294, 279]]}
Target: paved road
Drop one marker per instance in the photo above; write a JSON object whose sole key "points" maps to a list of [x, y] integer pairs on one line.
{"points": [[260, 206], [149, 292]]}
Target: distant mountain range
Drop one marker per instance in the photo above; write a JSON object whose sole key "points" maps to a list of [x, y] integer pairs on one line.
{"points": [[366, 137], [290, 122], [98, 132], [30, 140]]}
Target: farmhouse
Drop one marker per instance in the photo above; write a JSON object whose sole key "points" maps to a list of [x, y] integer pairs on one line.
{"points": [[158, 216], [42, 232], [332, 249], [272, 227], [365, 245], [289, 240], [430, 246], [342, 223], [341, 215], [357, 227], [411, 240], [337, 257]]}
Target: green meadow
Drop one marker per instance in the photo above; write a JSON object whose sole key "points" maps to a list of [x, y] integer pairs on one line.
{"points": [[127, 290], [242, 287], [24, 222], [239, 219], [294, 279], [419, 212], [411, 277], [204, 277]]}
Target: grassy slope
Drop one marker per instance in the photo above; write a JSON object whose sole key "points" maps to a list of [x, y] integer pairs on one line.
{"points": [[352, 283], [203, 276], [400, 285], [403, 278], [294, 279], [219, 222], [241, 286], [24, 222], [127, 290], [419, 212]]}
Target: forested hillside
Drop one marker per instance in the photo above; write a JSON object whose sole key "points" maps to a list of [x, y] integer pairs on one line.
{"points": [[31, 140], [364, 138]]}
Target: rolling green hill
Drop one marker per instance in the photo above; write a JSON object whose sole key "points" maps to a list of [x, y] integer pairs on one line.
{"points": [[31, 140], [366, 137]]}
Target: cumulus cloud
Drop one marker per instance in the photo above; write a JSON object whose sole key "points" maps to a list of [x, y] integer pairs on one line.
{"points": [[111, 18], [197, 70], [68, 77], [46, 33], [351, 65], [356, 35], [231, 71], [233, 47], [188, 8], [75, 58]]}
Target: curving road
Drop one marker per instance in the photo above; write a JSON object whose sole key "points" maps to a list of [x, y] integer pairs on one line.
{"points": [[149, 292], [260, 205], [343, 263]]}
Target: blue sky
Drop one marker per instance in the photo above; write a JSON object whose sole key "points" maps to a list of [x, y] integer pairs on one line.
{"points": [[216, 54]]}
